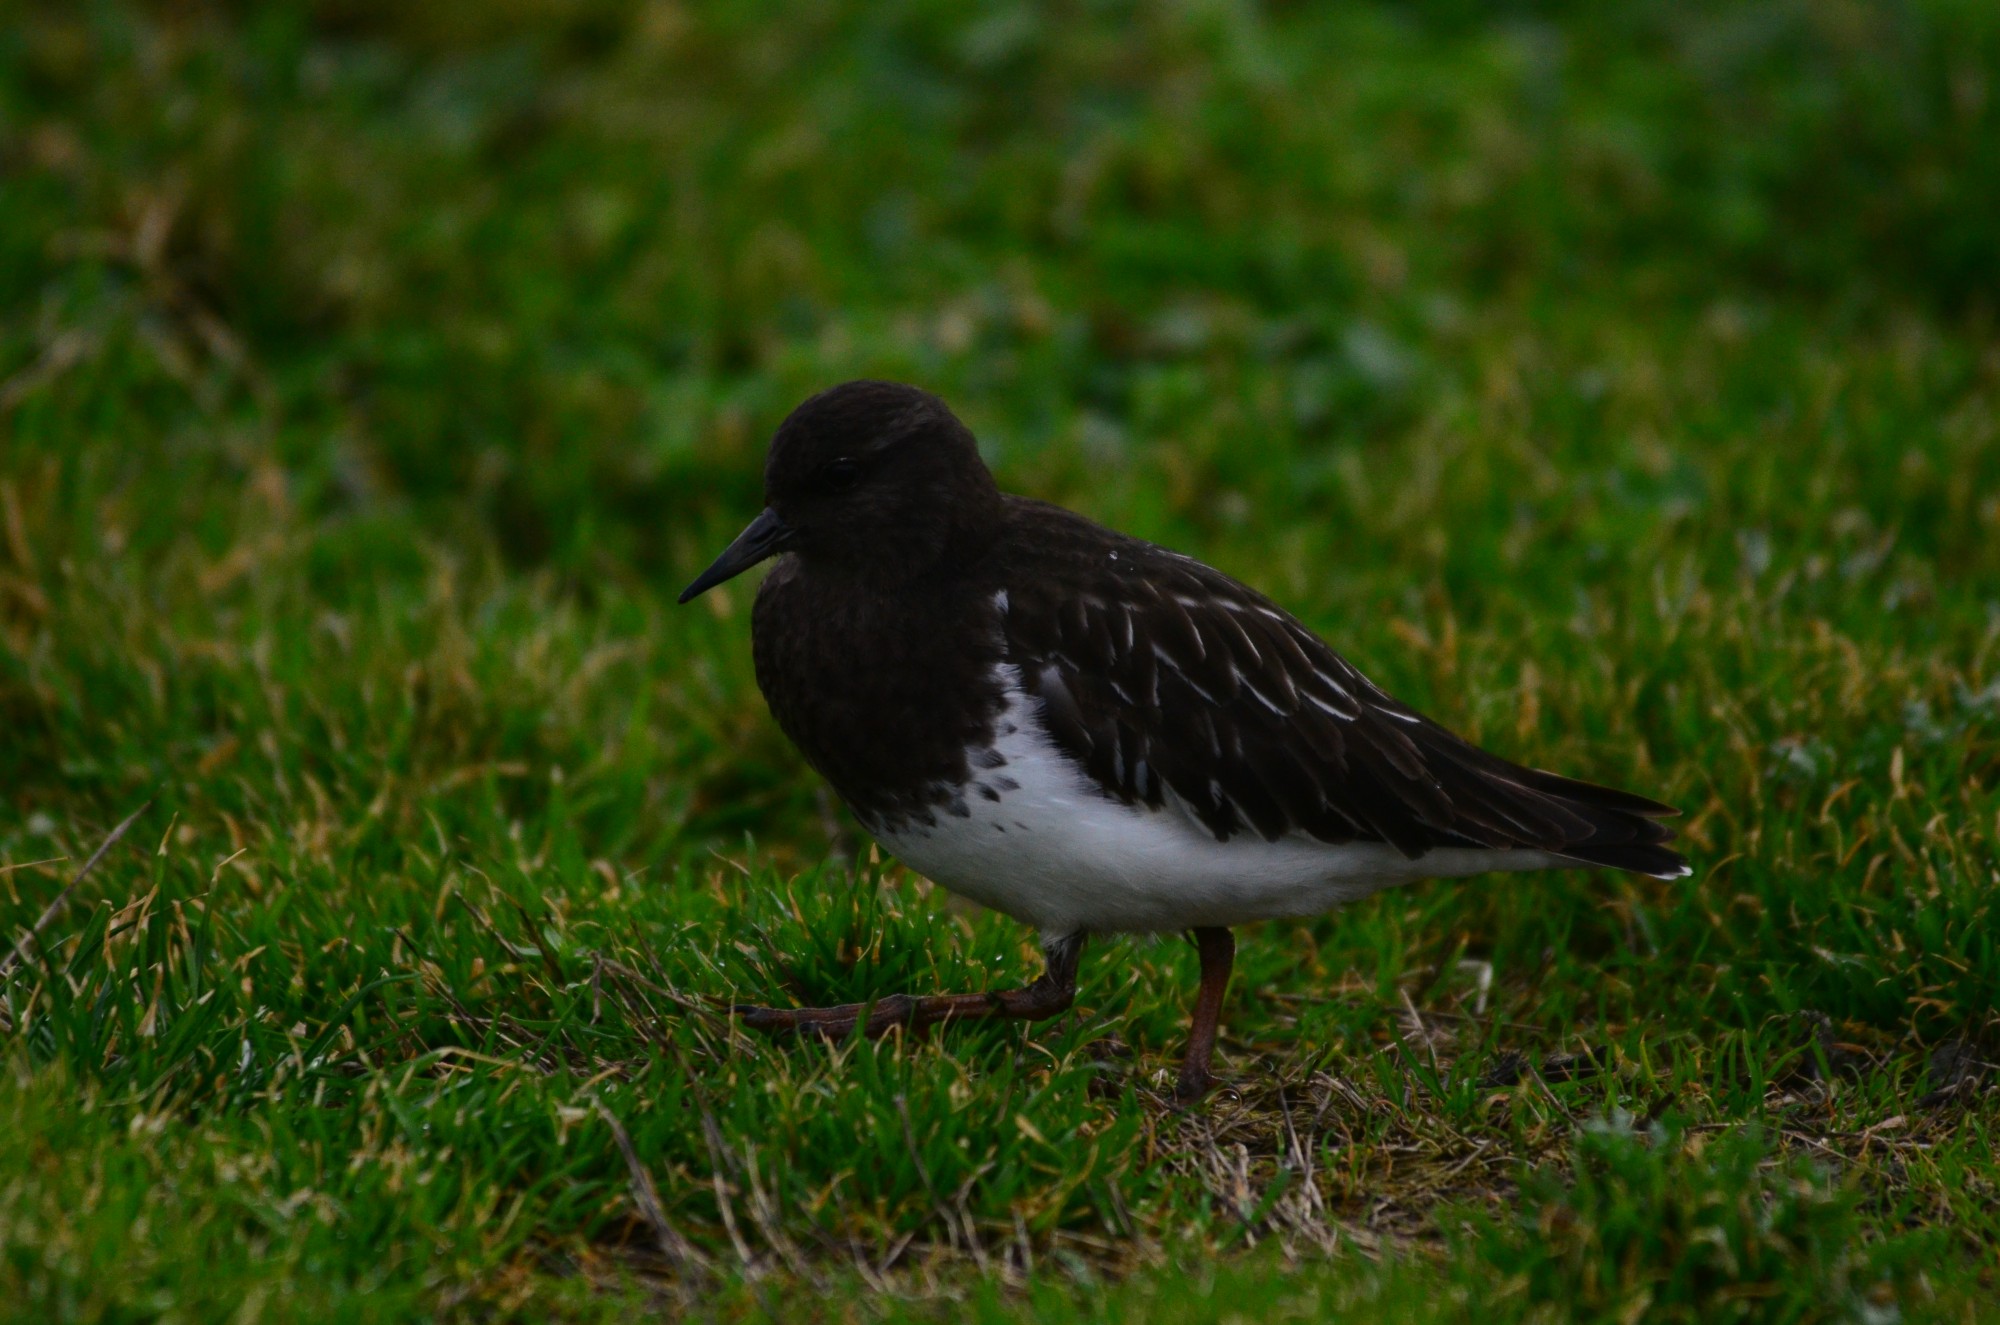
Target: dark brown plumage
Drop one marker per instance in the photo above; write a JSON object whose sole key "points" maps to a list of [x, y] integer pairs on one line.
{"points": [[1093, 733], [1158, 673]]}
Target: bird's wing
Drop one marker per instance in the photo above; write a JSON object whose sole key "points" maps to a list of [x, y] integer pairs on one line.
{"points": [[1164, 678]]}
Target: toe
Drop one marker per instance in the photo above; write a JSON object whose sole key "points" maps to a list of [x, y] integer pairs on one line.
{"points": [[762, 1018], [891, 1012]]}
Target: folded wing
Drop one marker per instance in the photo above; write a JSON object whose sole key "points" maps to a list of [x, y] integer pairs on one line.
{"points": [[1165, 679]]}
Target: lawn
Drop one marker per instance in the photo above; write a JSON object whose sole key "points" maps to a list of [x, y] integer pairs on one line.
{"points": [[1619, 384]]}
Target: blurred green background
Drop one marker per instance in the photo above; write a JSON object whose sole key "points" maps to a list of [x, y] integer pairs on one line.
{"points": [[1619, 383]]}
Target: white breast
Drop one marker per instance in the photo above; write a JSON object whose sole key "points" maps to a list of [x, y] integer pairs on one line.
{"points": [[1040, 842]]}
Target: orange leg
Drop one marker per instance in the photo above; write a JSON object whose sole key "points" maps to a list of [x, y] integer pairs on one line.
{"points": [[1048, 995], [1218, 953]]}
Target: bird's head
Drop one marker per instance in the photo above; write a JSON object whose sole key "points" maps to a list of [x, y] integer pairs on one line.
{"points": [[872, 477]]}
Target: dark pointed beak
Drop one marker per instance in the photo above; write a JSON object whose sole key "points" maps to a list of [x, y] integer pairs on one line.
{"points": [[765, 537]]}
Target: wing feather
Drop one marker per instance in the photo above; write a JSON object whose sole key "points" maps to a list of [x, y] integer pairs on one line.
{"points": [[1168, 681]]}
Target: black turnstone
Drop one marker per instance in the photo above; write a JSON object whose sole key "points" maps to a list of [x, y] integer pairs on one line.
{"points": [[1093, 734]]}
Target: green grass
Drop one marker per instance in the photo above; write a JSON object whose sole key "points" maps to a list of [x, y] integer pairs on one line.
{"points": [[1620, 384]]}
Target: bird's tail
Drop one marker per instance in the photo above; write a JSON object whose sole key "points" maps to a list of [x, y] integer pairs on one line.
{"points": [[1623, 831]]}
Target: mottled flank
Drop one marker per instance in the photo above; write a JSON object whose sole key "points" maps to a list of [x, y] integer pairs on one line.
{"points": [[1046, 845], [1166, 679]]}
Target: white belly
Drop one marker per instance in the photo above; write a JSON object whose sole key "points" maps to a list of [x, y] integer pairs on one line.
{"points": [[1057, 853]]}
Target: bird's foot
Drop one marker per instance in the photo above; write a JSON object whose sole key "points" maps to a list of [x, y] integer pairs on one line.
{"points": [[833, 1023], [1046, 997], [1191, 1085]]}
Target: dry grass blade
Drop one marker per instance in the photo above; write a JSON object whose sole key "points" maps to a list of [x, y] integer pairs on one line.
{"points": [[32, 864], [646, 1196], [55, 907]]}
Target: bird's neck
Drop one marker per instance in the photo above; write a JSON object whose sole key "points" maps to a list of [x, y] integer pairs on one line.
{"points": [[934, 547]]}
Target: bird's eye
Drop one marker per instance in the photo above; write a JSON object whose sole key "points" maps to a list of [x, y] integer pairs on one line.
{"points": [[840, 475]]}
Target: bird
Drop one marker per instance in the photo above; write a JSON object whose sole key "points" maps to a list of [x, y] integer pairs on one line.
{"points": [[1093, 734]]}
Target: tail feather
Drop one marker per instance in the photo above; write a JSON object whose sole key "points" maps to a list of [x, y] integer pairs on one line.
{"points": [[1650, 859], [1590, 793], [1625, 832], [1501, 803]]}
